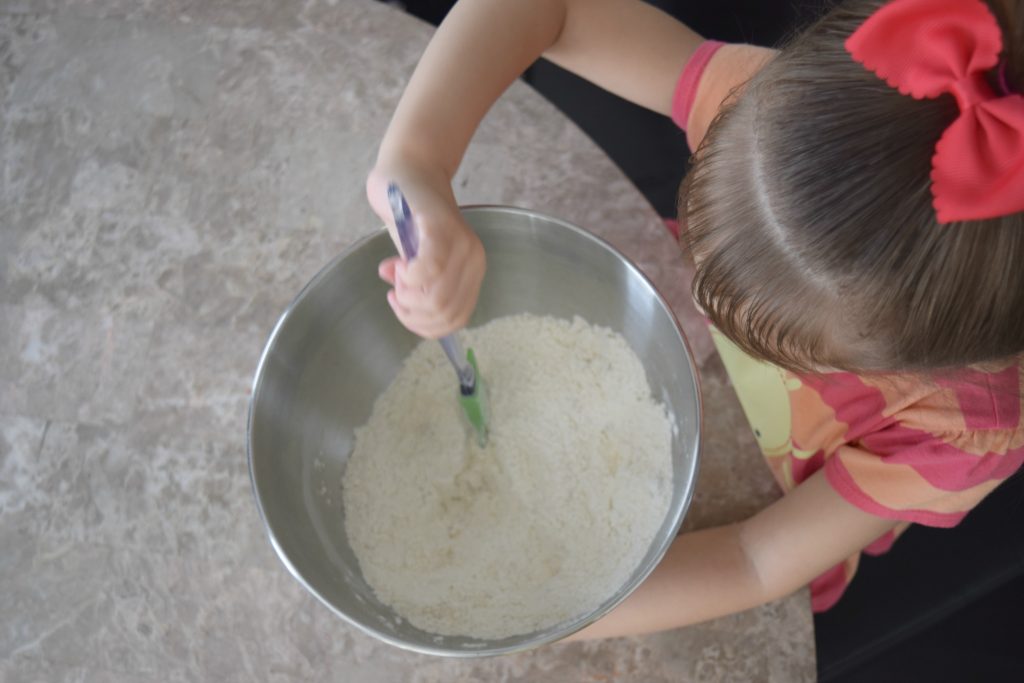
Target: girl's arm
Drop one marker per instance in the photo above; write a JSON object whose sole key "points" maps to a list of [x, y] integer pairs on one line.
{"points": [[625, 46], [727, 569]]}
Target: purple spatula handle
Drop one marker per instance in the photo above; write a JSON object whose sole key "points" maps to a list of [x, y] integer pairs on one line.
{"points": [[407, 233]]}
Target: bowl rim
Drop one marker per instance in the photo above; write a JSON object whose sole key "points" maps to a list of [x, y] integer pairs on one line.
{"points": [[559, 631]]}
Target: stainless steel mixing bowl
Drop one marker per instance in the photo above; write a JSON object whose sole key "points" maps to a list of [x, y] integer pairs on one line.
{"points": [[338, 346]]}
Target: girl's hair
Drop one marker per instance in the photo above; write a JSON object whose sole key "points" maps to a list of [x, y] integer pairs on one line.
{"points": [[810, 216]]}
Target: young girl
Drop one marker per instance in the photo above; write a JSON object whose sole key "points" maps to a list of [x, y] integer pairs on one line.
{"points": [[856, 214]]}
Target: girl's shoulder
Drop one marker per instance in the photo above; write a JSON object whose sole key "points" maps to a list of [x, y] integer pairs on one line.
{"points": [[926, 449], [715, 72], [970, 399], [977, 398]]}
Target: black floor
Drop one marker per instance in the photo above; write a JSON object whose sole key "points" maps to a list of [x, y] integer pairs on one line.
{"points": [[943, 605], [981, 642]]}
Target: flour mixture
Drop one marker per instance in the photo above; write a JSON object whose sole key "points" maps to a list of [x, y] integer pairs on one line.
{"points": [[544, 523]]}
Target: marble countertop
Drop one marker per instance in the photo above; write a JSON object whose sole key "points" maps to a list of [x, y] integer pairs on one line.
{"points": [[172, 173]]}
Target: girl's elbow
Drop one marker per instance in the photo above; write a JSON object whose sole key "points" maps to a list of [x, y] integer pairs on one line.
{"points": [[769, 576]]}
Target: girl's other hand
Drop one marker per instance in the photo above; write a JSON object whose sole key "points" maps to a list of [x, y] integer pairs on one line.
{"points": [[435, 294]]}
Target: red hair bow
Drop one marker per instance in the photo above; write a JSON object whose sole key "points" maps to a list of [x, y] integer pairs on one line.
{"points": [[925, 48]]}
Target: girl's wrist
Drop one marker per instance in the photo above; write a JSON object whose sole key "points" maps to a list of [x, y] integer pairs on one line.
{"points": [[410, 159]]}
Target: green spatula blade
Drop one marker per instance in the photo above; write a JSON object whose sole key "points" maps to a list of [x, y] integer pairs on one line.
{"points": [[474, 405]]}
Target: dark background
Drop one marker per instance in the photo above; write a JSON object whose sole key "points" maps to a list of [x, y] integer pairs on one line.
{"points": [[943, 605]]}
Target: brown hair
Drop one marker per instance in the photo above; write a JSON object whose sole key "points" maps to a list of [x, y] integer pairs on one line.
{"points": [[810, 215]]}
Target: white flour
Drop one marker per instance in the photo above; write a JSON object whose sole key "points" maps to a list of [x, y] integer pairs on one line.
{"points": [[544, 523]]}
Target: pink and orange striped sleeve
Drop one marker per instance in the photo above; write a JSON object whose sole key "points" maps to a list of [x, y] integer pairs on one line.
{"points": [[938, 455]]}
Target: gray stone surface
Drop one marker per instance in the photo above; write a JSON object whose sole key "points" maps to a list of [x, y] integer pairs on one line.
{"points": [[172, 173]]}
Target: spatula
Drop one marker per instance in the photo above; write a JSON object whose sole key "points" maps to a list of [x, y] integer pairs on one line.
{"points": [[472, 393]]}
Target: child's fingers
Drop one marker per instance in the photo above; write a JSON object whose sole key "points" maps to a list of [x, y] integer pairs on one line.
{"points": [[421, 272], [410, 275], [434, 253], [418, 322], [401, 311], [421, 323], [464, 303], [412, 298], [386, 270], [460, 293], [444, 290], [431, 298], [422, 327], [432, 328], [438, 318], [419, 312]]}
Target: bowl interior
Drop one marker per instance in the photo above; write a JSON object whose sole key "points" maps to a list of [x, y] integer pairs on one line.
{"points": [[339, 346]]}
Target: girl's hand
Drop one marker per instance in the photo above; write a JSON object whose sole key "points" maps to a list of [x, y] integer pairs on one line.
{"points": [[436, 293]]}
